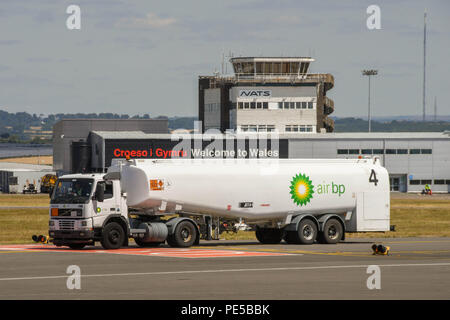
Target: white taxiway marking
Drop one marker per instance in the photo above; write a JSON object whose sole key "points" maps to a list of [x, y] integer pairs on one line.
{"points": [[229, 270]]}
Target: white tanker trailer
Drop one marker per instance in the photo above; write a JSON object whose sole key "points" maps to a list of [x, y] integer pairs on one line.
{"points": [[300, 201]]}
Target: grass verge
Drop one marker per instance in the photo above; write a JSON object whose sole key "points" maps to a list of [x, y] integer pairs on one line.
{"points": [[413, 218]]}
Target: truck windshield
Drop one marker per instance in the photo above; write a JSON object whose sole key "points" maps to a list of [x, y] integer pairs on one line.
{"points": [[72, 191]]}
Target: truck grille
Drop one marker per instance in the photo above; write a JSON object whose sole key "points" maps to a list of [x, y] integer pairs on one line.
{"points": [[66, 224]]}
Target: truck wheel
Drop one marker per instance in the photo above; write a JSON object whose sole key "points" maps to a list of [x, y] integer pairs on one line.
{"points": [[143, 244], [77, 246], [112, 236], [332, 231], [184, 236], [307, 231], [269, 235], [291, 237]]}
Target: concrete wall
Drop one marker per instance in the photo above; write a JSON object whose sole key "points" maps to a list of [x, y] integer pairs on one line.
{"points": [[433, 166], [212, 108], [66, 131]]}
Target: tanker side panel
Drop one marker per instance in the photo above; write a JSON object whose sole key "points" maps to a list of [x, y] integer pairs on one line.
{"points": [[250, 192], [256, 194]]}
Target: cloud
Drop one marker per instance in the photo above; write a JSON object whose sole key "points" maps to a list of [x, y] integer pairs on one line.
{"points": [[151, 20]]}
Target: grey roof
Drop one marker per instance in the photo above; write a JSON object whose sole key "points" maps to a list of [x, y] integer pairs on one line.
{"points": [[13, 166], [306, 136]]}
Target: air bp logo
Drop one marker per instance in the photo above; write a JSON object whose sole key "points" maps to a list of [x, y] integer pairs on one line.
{"points": [[302, 189]]}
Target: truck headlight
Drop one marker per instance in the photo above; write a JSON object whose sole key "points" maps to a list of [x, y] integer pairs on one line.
{"points": [[51, 223], [83, 223]]}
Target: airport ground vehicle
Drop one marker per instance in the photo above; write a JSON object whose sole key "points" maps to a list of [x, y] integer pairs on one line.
{"points": [[29, 188], [48, 182], [300, 201]]}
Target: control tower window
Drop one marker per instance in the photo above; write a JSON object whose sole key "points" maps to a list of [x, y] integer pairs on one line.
{"points": [[248, 68], [268, 67], [285, 66], [294, 67], [276, 67], [259, 68]]}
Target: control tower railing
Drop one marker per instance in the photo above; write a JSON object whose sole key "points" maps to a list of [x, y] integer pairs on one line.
{"points": [[326, 78]]}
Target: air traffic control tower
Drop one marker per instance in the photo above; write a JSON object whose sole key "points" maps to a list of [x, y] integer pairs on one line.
{"points": [[267, 94]]}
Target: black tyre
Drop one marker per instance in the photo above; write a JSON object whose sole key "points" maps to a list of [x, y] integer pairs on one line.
{"points": [[143, 244], [332, 231], [307, 231], [291, 237], [269, 235], [112, 236], [184, 236], [77, 246]]}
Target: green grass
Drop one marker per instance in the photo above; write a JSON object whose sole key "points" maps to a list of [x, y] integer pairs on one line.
{"points": [[18, 225], [413, 218], [24, 200]]}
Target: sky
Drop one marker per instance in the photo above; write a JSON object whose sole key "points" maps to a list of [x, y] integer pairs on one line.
{"points": [[138, 57]]}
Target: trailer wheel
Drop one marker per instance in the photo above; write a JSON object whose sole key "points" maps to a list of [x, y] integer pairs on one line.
{"points": [[307, 231], [332, 231], [112, 236], [269, 235], [184, 236]]}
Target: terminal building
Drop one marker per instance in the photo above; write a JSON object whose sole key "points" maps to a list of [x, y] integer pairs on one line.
{"points": [[267, 94]]}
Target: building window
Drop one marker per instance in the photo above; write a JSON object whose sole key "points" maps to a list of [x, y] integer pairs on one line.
{"points": [[310, 105], [391, 151], [378, 151], [244, 128], [252, 105], [240, 105], [280, 105], [442, 181], [414, 151], [414, 182], [366, 151], [298, 105], [425, 181], [246, 105], [304, 104], [402, 151], [270, 128], [258, 105], [342, 151], [353, 151], [425, 151], [265, 105]]}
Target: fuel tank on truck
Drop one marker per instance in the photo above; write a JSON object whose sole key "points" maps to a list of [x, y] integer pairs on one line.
{"points": [[258, 189]]}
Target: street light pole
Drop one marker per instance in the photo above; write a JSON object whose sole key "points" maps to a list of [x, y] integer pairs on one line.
{"points": [[369, 73]]}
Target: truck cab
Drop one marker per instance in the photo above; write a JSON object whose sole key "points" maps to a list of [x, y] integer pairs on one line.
{"points": [[81, 207]]}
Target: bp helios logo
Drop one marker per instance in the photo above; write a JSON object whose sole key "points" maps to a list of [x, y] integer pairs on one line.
{"points": [[302, 189]]}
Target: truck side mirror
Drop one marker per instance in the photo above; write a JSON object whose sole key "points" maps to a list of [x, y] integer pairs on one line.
{"points": [[100, 192]]}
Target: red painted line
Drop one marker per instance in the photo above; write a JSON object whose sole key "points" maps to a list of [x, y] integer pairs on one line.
{"points": [[159, 252]]}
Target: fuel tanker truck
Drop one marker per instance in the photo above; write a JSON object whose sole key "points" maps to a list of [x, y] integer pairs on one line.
{"points": [[299, 201]]}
